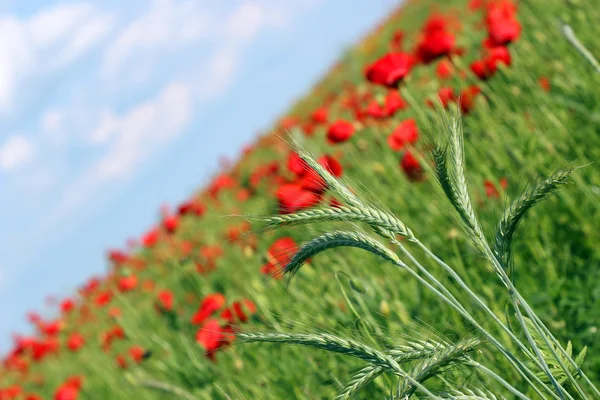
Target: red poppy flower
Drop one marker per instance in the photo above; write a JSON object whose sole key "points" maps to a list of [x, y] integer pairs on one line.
{"points": [[240, 311], [103, 298], [332, 165], [411, 167], [91, 285], [505, 31], [435, 22], [209, 335], [292, 197], [121, 361], [490, 190], [544, 83], [393, 103], [444, 69], [406, 132], [69, 390], [319, 116], [211, 304], [191, 207], [435, 44], [282, 250], [376, 110], [66, 393], [467, 98], [313, 182], [171, 223], [117, 256], [11, 392], [128, 283], [474, 5], [51, 328], [67, 306], [497, 55], [390, 69], [295, 164], [503, 27], [243, 194], [150, 238], [212, 336], [445, 95], [138, 354], [165, 300], [486, 67], [75, 341], [340, 131], [278, 255], [227, 315], [220, 183], [479, 68], [271, 270]]}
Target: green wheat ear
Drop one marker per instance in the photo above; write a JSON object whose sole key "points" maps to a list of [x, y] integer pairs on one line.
{"points": [[328, 342], [338, 239], [513, 215], [449, 169], [419, 350], [371, 216], [449, 356]]}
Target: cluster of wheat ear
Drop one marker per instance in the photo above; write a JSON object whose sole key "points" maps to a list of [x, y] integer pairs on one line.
{"points": [[548, 369]]}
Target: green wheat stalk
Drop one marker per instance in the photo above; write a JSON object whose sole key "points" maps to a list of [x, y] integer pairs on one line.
{"points": [[328, 342], [337, 239]]}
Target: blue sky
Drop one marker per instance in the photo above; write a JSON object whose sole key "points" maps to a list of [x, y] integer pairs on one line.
{"points": [[110, 109]]}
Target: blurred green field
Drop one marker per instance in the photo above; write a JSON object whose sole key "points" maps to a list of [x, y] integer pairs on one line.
{"points": [[517, 130]]}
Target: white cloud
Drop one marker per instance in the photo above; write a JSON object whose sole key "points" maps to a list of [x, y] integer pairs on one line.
{"points": [[16, 152], [107, 127], [16, 58], [246, 21], [165, 25], [52, 120], [49, 40], [129, 140], [143, 129]]}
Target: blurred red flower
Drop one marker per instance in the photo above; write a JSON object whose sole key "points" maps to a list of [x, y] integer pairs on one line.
{"points": [[165, 299], [390, 69], [127, 283], [340, 131], [292, 197], [210, 304], [319, 116], [411, 167], [75, 341], [406, 133]]}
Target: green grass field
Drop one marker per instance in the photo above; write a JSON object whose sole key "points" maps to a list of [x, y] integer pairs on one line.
{"points": [[529, 119]]}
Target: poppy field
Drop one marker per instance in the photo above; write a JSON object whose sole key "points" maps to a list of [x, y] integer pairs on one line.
{"points": [[423, 224]]}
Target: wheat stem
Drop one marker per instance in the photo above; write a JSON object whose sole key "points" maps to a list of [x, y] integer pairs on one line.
{"points": [[498, 378], [572, 38]]}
